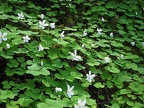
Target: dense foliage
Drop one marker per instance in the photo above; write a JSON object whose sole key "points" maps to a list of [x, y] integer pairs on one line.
{"points": [[71, 53]]}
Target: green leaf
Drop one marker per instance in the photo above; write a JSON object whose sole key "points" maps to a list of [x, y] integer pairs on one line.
{"points": [[80, 67], [38, 72], [21, 59], [99, 85], [130, 103], [134, 66], [115, 105], [34, 67], [9, 105], [24, 102], [58, 76], [141, 70], [112, 69], [5, 94], [125, 91], [3, 17], [54, 103], [61, 42], [42, 105]]}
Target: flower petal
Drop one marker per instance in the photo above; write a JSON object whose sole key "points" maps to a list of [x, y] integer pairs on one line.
{"points": [[83, 103], [79, 101], [72, 88], [4, 34], [68, 87]]}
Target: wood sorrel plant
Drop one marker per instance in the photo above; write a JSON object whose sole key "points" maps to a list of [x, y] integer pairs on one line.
{"points": [[64, 54]]}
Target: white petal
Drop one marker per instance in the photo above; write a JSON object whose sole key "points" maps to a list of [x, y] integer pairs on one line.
{"points": [[43, 27], [42, 16], [83, 45], [72, 88], [4, 34], [41, 63], [52, 25], [89, 79], [93, 75], [58, 89], [68, 87], [85, 32], [75, 52], [46, 24], [72, 54], [4, 39], [111, 34], [103, 19], [89, 72], [0, 40], [99, 30], [8, 45], [43, 21], [62, 32], [70, 94], [40, 48], [84, 102], [132, 43], [76, 106], [40, 22], [75, 59], [79, 101], [79, 57]]}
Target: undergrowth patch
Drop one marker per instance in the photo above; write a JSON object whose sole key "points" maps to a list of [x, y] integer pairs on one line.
{"points": [[71, 53]]}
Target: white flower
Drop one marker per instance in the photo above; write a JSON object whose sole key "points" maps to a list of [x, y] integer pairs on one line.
{"points": [[58, 89], [42, 24], [41, 63], [90, 77], [133, 43], [75, 57], [136, 13], [8, 45], [103, 19], [52, 25], [99, 31], [83, 45], [143, 43], [69, 91], [40, 48], [42, 16], [20, 16], [26, 39], [81, 104], [3, 37], [111, 34], [85, 32], [92, 45], [107, 59], [62, 34], [121, 57]]}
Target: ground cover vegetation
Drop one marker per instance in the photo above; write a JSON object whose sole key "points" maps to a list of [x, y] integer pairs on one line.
{"points": [[71, 53]]}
